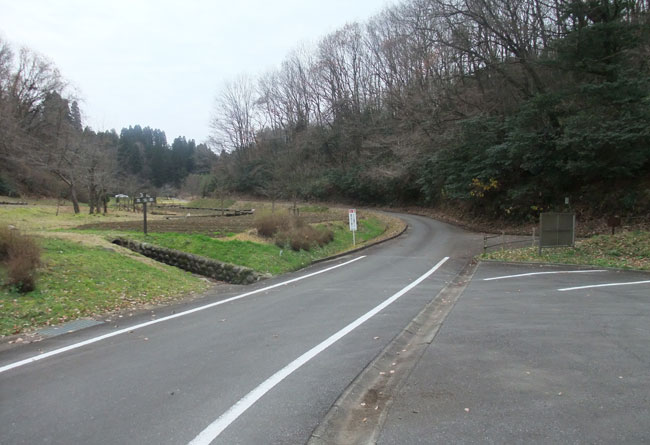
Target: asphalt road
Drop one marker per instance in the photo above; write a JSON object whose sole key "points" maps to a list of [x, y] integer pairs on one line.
{"points": [[168, 382], [534, 354]]}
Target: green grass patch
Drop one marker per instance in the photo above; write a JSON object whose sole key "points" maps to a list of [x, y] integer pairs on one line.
{"points": [[44, 217], [627, 250], [220, 234], [211, 203], [170, 201], [265, 258], [80, 281], [313, 209]]}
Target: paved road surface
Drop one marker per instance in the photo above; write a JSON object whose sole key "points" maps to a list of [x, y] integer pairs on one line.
{"points": [[534, 357], [168, 382]]}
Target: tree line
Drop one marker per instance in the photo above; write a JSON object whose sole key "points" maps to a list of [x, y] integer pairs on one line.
{"points": [[46, 150], [500, 107]]}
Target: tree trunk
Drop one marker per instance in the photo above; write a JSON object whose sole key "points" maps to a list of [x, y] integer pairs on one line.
{"points": [[104, 200], [73, 198], [73, 191], [93, 199]]}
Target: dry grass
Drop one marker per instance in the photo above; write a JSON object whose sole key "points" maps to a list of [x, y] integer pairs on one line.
{"points": [[305, 237], [292, 231], [268, 224], [39, 216], [625, 250], [249, 235], [21, 256]]}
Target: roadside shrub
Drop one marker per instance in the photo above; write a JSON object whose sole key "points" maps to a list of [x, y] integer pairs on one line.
{"points": [[268, 224], [299, 242], [291, 231], [282, 239], [21, 256], [298, 223], [304, 238], [325, 236]]}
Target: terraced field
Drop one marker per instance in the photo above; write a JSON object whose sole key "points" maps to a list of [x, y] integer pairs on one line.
{"points": [[206, 222]]}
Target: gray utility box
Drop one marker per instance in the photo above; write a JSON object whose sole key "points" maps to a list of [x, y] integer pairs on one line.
{"points": [[557, 230]]}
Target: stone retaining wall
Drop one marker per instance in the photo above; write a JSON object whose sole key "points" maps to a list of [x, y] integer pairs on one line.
{"points": [[194, 263]]}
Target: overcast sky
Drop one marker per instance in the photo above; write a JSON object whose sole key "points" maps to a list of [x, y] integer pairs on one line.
{"points": [[160, 63]]}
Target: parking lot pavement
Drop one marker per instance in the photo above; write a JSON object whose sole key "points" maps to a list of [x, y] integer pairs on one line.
{"points": [[535, 358]]}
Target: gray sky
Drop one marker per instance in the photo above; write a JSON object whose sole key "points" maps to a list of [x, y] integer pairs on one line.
{"points": [[160, 63]]}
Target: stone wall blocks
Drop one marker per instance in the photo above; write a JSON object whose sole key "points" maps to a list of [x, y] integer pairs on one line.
{"points": [[194, 263]]}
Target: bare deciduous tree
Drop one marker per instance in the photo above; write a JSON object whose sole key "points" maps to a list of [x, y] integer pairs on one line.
{"points": [[234, 120]]}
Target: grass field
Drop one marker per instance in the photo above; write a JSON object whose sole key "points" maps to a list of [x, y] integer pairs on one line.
{"points": [[85, 276], [211, 203], [79, 281], [263, 257], [626, 250]]}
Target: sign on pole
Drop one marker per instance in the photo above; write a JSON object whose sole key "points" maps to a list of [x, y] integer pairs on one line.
{"points": [[144, 199], [352, 215]]}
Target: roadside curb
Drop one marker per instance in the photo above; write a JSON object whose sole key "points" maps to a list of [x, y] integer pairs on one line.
{"points": [[358, 415]]}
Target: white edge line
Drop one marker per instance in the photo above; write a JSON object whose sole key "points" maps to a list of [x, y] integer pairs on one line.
{"points": [[215, 428], [541, 273], [603, 285], [160, 320]]}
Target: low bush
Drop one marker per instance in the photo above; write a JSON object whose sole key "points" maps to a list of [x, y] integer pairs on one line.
{"points": [[304, 238], [325, 236], [21, 256], [282, 239], [299, 242], [268, 224], [292, 231]]}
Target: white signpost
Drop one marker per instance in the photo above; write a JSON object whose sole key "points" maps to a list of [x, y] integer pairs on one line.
{"points": [[352, 214]]}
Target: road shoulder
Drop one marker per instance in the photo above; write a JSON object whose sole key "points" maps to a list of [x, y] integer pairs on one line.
{"points": [[358, 415]]}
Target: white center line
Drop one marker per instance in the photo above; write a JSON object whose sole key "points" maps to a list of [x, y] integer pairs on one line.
{"points": [[603, 285], [215, 428], [541, 273], [169, 317]]}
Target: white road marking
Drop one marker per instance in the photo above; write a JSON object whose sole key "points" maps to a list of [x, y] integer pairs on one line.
{"points": [[541, 273], [604, 285], [215, 428], [169, 317]]}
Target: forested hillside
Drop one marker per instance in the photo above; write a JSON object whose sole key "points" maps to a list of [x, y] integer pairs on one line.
{"points": [[46, 150], [500, 107]]}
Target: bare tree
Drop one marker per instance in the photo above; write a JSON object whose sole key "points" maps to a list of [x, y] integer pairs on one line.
{"points": [[35, 119], [97, 166], [234, 119]]}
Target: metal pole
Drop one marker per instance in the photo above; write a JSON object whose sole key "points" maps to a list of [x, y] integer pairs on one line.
{"points": [[503, 240], [145, 217], [533, 242], [484, 243], [573, 239], [541, 230]]}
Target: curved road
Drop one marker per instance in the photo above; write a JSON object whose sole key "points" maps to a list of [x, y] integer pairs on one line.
{"points": [[261, 369]]}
